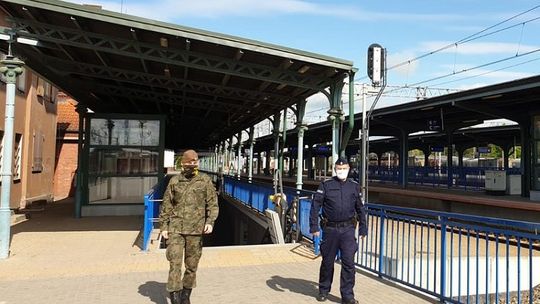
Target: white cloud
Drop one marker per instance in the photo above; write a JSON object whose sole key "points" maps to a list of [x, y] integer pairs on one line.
{"points": [[169, 10], [407, 69]]}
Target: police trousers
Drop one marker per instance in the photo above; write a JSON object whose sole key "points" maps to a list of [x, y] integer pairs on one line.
{"points": [[342, 239], [183, 248]]}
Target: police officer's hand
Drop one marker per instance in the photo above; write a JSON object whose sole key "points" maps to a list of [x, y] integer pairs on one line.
{"points": [[316, 234], [165, 234], [208, 229]]}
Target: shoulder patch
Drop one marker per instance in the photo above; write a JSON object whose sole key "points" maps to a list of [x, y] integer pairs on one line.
{"points": [[320, 191]]}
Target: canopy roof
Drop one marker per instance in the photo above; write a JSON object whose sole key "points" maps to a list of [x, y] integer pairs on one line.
{"points": [[447, 114], [210, 86]]}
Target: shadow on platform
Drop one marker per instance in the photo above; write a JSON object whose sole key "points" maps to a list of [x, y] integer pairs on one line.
{"points": [[59, 216], [300, 286], [155, 291]]}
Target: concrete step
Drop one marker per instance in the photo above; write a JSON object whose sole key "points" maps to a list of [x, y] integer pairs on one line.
{"points": [[17, 218]]}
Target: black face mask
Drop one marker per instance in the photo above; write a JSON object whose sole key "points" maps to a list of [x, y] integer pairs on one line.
{"points": [[190, 171]]}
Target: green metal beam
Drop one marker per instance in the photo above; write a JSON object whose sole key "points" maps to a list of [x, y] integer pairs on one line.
{"points": [[99, 42], [167, 98], [66, 67]]}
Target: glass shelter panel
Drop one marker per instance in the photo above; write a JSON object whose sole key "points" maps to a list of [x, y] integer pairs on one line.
{"points": [[119, 190], [123, 158], [124, 132], [123, 161]]}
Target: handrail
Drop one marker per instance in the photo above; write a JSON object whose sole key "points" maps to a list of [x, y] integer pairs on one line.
{"points": [[458, 258], [152, 200]]}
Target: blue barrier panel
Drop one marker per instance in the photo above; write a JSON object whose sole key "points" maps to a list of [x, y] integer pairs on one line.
{"points": [[257, 196], [148, 215], [452, 256], [152, 201]]}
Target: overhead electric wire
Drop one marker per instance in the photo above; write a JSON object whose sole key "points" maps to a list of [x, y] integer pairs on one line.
{"points": [[466, 39], [489, 72], [477, 67], [469, 38]]}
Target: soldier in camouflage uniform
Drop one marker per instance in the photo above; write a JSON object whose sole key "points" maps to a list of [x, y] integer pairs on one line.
{"points": [[189, 209]]}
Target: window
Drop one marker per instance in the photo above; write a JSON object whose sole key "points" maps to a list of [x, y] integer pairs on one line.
{"points": [[54, 94], [37, 163], [40, 87], [17, 158], [47, 90]]}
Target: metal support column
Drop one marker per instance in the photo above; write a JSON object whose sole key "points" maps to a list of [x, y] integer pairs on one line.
{"points": [[526, 163], [81, 110], [301, 108], [335, 115], [506, 155], [250, 159], [267, 156], [427, 153], [347, 136], [276, 123], [259, 162], [239, 161], [230, 160], [11, 68], [309, 162], [449, 160], [364, 149], [283, 143], [404, 158]]}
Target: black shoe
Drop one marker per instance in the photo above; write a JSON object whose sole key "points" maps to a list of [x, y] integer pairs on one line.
{"points": [[175, 297], [322, 297], [184, 296], [351, 301]]}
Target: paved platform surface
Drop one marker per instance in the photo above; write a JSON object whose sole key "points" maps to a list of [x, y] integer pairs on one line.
{"points": [[58, 259]]}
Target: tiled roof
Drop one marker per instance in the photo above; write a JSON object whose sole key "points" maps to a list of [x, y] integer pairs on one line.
{"points": [[68, 118]]}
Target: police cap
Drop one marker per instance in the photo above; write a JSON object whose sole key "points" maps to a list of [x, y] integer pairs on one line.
{"points": [[341, 161]]}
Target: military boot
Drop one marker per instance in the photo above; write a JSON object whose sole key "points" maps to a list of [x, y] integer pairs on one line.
{"points": [[184, 297], [175, 297]]}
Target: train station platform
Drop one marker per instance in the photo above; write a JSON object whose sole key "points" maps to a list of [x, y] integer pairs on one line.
{"points": [[58, 259]]}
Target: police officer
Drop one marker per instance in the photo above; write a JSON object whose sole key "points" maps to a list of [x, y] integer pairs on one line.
{"points": [[189, 210], [342, 208]]}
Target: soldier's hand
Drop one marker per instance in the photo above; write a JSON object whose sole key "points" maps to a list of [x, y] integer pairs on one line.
{"points": [[165, 234], [208, 229], [316, 234]]}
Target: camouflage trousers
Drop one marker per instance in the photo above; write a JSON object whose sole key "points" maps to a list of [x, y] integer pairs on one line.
{"points": [[183, 248]]}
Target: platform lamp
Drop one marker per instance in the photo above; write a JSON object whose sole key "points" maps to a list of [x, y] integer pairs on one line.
{"points": [[10, 68]]}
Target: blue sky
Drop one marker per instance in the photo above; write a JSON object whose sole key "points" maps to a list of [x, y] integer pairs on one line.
{"points": [[345, 28]]}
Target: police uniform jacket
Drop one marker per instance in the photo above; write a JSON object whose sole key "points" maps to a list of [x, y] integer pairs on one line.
{"points": [[188, 204], [340, 201]]}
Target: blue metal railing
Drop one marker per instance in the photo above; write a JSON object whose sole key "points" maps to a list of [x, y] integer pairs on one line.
{"points": [[256, 195], [453, 256], [457, 258], [152, 201]]}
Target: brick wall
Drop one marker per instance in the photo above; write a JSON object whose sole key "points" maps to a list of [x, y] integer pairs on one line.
{"points": [[66, 165]]}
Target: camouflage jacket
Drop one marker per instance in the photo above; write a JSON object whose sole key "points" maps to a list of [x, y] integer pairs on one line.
{"points": [[188, 204]]}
